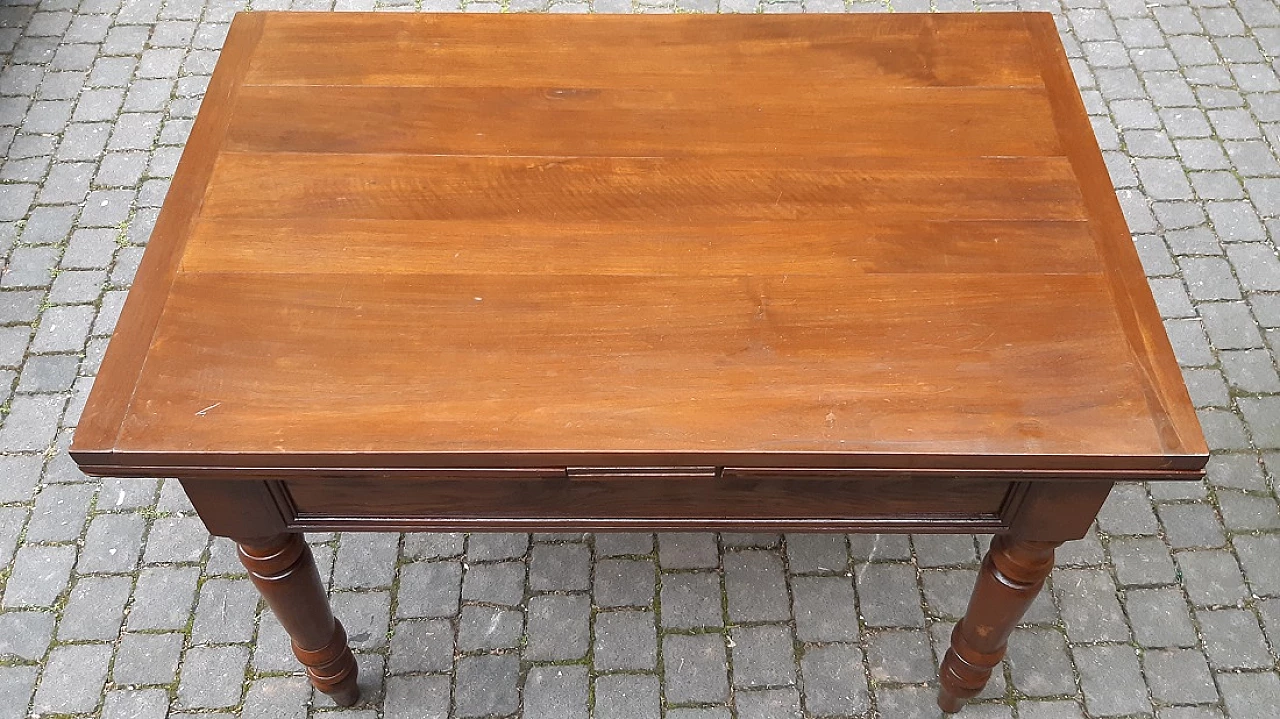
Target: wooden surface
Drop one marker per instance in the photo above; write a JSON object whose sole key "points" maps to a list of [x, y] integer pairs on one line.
{"points": [[884, 242]]}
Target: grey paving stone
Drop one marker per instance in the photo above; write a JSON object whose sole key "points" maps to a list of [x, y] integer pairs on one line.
{"points": [[13, 347], [1190, 525], [487, 684], [1155, 256], [688, 551], [835, 683], [63, 329], [763, 655], [1257, 556], [422, 645], [696, 668], [1127, 511], [616, 544], [1089, 606], [1111, 680], [1244, 512], [625, 640], [21, 473], [417, 696], [824, 609], [482, 627], [624, 583], [163, 598], [1200, 712], [32, 422], [691, 600], [72, 679], [225, 612], [1229, 325], [879, 547], [1142, 561], [481, 547], [1061, 709], [20, 307], [25, 635], [176, 539], [95, 609], [1162, 179], [944, 550], [1233, 639], [60, 512], [366, 616], [429, 589], [627, 696], [558, 627], [1179, 676], [1256, 265], [365, 560], [909, 702], [1160, 617], [143, 659], [1223, 429], [1211, 577], [755, 586], [1250, 695], [494, 583], [30, 267], [77, 287], [560, 567], [781, 703], [39, 576], [1086, 551], [1039, 664], [888, 596], [745, 540], [212, 677], [1264, 423], [434, 545], [277, 697], [12, 519], [556, 692], [900, 656], [136, 704], [16, 686], [1238, 471], [1171, 297], [817, 553], [113, 543]]}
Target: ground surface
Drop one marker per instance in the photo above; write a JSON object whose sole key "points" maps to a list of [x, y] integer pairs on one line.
{"points": [[114, 603]]}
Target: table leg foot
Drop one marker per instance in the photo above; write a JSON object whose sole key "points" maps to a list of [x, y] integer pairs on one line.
{"points": [[284, 572], [1012, 574]]}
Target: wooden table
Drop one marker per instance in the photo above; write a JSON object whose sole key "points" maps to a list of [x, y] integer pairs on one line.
{"points": [[593, 273]]}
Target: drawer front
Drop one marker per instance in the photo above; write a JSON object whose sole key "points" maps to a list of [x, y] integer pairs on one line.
{"points": [[597, 501]]}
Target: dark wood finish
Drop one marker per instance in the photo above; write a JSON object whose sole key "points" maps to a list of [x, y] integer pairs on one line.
{"points": [[597, 273], [893, 239], [654, 499], [284, 572], [1011, 576]]}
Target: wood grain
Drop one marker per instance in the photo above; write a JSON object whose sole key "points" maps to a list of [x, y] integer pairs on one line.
{"points": [[782, 55], [771, 242], [841, 121]]}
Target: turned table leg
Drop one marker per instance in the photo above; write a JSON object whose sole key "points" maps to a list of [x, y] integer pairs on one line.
{"points": [[284, 571], [1011, 576]]}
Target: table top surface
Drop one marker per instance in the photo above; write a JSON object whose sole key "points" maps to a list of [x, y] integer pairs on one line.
{"points": [[524, 241]]}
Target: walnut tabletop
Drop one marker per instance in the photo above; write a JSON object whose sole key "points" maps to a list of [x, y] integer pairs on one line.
{"points": [[839, 273], [537, 241]]}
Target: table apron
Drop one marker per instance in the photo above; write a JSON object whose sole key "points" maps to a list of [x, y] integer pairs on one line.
{"points": [[1055, 510]]}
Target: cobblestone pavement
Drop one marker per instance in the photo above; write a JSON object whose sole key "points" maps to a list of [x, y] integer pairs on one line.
{"points": [[116, 604]]}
